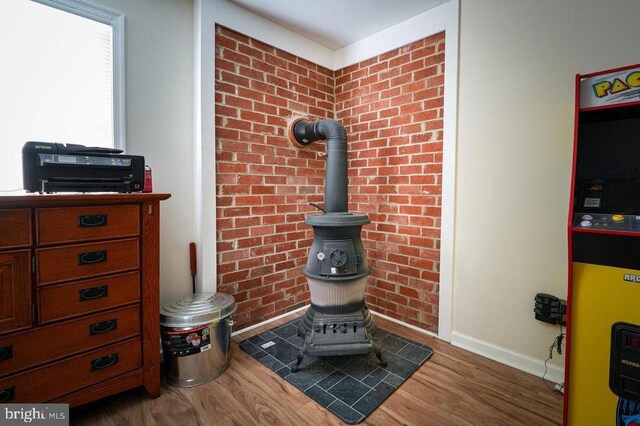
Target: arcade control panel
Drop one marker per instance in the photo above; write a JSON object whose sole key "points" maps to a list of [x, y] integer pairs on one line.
{"points": [[624, 377], [607, 221]]}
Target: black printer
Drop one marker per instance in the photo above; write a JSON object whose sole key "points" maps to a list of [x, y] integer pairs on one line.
{"points": [[56, 167]]}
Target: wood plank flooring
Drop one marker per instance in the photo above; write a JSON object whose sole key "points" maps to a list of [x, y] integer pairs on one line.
{"points": [[454, 387]]}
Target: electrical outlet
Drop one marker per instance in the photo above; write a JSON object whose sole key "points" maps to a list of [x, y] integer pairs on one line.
{"points": [[550, 309]]}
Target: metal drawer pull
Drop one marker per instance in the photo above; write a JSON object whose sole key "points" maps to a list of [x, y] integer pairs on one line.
{"points": [[92, 220], [103, 327], [94, 293], [104, 362], [91, 257], [6, 352], [7, 394]]}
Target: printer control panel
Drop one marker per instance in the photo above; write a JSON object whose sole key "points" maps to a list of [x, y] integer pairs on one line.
{"points": [[84, 160]]}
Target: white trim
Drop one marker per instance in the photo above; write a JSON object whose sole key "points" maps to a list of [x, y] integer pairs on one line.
{"points": [[119, 96], [84, 9], [404, 324], [255, 26], [116, 21], [415, 28], [507, 357], [449, 171], [204, 145], [270, 320]]}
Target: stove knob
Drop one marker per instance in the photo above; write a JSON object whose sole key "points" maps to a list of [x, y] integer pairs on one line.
{"points": [[587, 217], [321, 256], [585, 223]]}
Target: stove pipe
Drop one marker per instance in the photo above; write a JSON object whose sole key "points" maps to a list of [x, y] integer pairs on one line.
{"points": [[335, 189]]}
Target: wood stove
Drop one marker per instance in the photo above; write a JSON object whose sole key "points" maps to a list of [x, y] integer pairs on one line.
{"points": [[338, 321]]}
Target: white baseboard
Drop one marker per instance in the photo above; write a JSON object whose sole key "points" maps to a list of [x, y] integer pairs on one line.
{"points": [[404, 324], [260, 324], [507, 357]]}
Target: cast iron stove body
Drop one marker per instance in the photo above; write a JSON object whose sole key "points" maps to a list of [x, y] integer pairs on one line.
{"points": [[338, 321]]}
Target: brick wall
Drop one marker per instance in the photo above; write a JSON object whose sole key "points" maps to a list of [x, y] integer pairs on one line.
{"points": [[264, 184], [391, 107]]}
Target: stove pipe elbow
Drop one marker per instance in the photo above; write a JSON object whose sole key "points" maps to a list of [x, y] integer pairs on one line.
{"points": [[303, 132]]}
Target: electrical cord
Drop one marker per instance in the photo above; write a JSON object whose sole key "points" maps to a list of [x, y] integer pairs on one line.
{"points": [[557, 345]]}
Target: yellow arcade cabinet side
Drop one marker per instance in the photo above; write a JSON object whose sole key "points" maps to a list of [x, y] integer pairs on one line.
{"points": [[602, 372]]}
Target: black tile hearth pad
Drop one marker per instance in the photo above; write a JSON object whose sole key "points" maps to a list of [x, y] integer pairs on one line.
{"points": [[351, 387]]}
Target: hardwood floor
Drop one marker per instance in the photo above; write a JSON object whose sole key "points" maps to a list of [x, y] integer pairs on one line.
{"points": [[454, 387]]}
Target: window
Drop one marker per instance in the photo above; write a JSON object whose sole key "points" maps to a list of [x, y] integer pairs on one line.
{"points": [[60, 78]]}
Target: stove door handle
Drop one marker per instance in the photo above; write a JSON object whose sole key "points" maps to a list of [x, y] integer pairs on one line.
{"points": [[317, 207]]}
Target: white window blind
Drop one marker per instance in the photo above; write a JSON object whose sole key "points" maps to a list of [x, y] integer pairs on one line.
{"points": [[56, 82]]}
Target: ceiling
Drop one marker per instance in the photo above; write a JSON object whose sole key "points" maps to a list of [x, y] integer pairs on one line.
{"points": [[337, 23]]}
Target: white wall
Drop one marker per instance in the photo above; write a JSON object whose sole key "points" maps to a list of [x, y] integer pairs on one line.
{"points": [[159, 120], [518, 60]]}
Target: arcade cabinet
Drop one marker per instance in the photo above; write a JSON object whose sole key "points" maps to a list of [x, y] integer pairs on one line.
{"points": [[602, 373]]}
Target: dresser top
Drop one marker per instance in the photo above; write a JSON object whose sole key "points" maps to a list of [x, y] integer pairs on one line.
{"points": [[24, 199]]}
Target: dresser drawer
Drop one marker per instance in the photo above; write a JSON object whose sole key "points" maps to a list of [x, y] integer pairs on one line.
{"points": [[82, 297], [15, 228], [62, 225], [54, 380], [86, 260], [15, 290], [34, 347]]}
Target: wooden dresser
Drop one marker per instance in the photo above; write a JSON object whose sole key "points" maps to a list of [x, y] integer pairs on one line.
{"points": [[79, 296]]}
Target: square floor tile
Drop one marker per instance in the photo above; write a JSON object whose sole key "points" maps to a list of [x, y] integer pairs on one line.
{"points": [[349, 390]]}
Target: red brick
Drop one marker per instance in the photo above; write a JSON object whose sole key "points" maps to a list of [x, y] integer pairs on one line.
{"points": [[232, 123], [250, 94], [224, 87], [399, 60], [235, 79], [226, 42], [236, 102], [423, 52], [412, 66], [231, 168]]}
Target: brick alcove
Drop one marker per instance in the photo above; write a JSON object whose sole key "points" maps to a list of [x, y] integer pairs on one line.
{"points": [[392, 108]]}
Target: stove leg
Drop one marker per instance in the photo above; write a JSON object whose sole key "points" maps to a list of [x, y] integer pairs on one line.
{"points": [[296, 367], [378, 353]]}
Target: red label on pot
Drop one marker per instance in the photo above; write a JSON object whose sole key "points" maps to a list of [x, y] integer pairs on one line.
{"points": [[186, 342]]}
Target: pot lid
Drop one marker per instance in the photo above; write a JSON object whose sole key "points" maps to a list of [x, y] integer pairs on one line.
{"points": [[197, 309]]}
